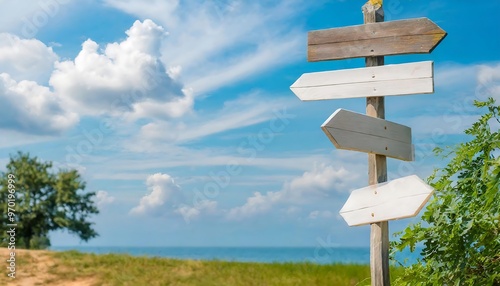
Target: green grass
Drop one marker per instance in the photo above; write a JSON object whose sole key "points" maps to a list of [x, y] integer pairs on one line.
{"points": [[120, 269]]}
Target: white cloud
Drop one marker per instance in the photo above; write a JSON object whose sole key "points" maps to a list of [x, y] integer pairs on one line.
{"points": [[30, 108], [103, 198], [257, 204], [174, 108], [165, 197], [139, 77], [489, 82], [26, 59], [463, 78], [320, 183], [192, 212], [126, 77], [163, 192], [207, 38], [242, 112]]}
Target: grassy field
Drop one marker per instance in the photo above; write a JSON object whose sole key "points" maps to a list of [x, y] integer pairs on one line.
{"points": [[78, 269]]}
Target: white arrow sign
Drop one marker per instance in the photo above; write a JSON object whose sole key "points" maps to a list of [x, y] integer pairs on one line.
{"points": [[358, 132], [413, 78], [400, 198]]}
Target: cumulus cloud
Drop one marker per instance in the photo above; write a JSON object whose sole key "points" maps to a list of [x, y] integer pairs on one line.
{"points": [[192, 212], [163, 193], [26, 59], [257, 204], [30, 108], [103, 198], [320, 183], [173, 108], [139, 77], [165, 197], [208, 41], [125, 77]]}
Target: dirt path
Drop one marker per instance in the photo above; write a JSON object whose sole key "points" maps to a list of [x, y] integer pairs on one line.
{"points": [[33, 268]]}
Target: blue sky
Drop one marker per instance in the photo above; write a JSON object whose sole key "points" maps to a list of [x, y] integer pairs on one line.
{"points": [[178, 114]]}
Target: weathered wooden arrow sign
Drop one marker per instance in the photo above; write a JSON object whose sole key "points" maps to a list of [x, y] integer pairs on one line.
{"points": [[400, 198], [402, 79], [375, 39], [358, 132]]}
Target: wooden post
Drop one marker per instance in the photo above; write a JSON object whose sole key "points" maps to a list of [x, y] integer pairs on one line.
{"points": [[377, 166]]}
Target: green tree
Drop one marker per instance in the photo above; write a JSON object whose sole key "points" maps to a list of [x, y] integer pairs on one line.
{"points": [[460, 229], [44, 201]]}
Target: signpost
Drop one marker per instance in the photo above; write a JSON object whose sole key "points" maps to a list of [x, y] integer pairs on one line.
{"points": [[353, 131], [400, 198], [400, 79], [379, 202]]}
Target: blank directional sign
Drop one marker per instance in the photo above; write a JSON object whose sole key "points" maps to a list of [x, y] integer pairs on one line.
{"points": [[400, 198], [375, 39], [402, 79], [358, 132]]}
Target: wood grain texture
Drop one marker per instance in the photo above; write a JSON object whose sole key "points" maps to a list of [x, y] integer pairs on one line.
{"points": [[411, 36], [379, 254], [353, 131], [401, 79], [400, 198], [377, 168]]}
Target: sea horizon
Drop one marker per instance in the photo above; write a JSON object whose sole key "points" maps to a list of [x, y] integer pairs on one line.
{"points": [[261, 254]]}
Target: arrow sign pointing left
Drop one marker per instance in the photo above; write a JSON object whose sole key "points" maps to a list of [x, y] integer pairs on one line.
{"points": [[400, 198], [402, 79], [354, 131]]}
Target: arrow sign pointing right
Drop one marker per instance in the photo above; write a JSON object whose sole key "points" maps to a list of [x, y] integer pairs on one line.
{"points": [[358, 132], [400, 198], [375, 39]]}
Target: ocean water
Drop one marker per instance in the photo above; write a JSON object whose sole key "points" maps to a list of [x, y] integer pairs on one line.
{"points": [[318, 255]]}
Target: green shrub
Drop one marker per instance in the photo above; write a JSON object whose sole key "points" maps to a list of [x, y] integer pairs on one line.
{"points": [[460, 229]]}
